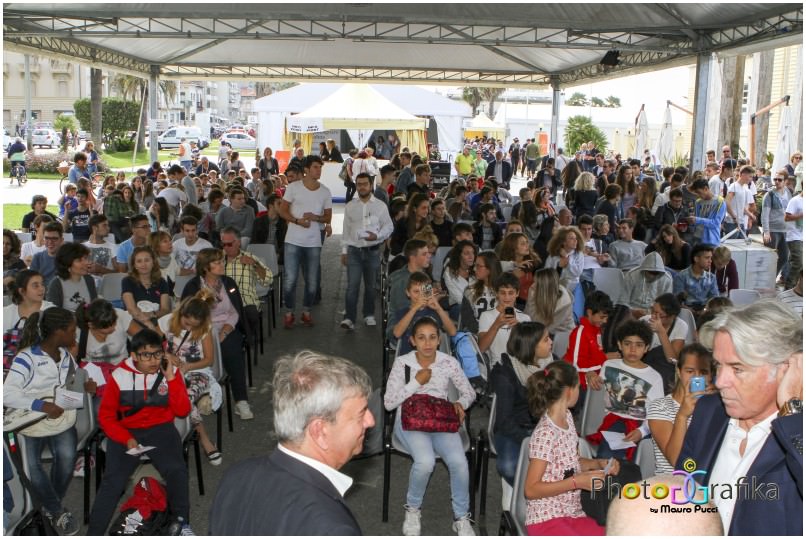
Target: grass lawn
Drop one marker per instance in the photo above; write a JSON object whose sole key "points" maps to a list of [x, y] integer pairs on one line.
{"points": [[13, 214], [123, 160]]}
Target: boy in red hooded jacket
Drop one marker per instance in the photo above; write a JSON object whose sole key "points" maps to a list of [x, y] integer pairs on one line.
{"points": [[143, 397]]}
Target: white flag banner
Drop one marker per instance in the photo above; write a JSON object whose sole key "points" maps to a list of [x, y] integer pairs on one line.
{"points": [[305, 125]]}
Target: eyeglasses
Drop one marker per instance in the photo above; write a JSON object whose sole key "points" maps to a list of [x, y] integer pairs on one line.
{"points": [[227, 244], [779, 179], [151, 356], [52, 238]]}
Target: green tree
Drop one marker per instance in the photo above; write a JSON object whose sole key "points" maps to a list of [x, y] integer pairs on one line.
{"points": [[613, 102], [137, 88], [577, 99], [579, 130], [65, 124], [263, 89], [472, 97], [118, 117], [596, 102]]}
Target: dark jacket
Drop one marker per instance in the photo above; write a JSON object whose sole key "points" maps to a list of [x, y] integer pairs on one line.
{"points": [[506, 172], [512, 417], [194, 285], [267, 168], [260, 234], [303, 501], [666, 215], [478, 235], [585, 203], [780, 462], [210, 166]]}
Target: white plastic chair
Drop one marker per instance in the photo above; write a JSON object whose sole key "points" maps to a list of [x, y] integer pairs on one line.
{"points": [[180, 283], [514, 520], [645, 458], [438, 261], [593, 413], [68, 237], [112, 286], [24, 237], [23, 504], [688, 317], [560, 344], [610, 281], [742, 296]]}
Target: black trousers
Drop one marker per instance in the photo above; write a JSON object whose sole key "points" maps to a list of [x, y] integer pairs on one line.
{"points": [[235, 364], [167, 459]]}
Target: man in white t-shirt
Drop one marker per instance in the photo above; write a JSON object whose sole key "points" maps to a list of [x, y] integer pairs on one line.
{"points": [[738, 201], [794, 238], [495, 325], [308, 207], [185, 154], [717, 177], [175, 197], [188, 246]]}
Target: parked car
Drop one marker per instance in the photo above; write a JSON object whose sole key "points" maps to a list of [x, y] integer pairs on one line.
{"points": [[45, 137], [173, 136], [239, 141]]}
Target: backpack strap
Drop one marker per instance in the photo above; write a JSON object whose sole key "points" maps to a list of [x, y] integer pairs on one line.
{"points": [[151, 394]]}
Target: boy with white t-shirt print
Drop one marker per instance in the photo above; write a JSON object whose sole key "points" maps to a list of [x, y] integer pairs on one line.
{"points": [[102, 251], [496, 324], [307, 206], [188, 246], [630, 385]]}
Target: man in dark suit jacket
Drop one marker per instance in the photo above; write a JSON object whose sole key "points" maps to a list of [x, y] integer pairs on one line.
{"points": [[298, 490], [741, 423], [506, 170]]}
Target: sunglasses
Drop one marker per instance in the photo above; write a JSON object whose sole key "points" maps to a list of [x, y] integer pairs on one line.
{"points": [[52, 238], [779, 179], [227, 244]]}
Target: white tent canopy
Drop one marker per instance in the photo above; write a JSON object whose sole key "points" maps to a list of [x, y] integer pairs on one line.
{"points": [[482, 123], [786, 142], [273, 110]]}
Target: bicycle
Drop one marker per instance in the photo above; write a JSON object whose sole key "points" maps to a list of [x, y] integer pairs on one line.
{"points": [[64, 170], [18, 170]]}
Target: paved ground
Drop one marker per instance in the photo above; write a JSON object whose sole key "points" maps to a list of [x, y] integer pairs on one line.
{"points": [[256, 437]]}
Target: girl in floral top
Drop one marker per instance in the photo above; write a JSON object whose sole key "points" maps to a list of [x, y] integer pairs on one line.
{"points": [[431, 372], [556, 472]]}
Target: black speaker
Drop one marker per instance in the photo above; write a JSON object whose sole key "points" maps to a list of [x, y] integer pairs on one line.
{"points": [[611, 59]]}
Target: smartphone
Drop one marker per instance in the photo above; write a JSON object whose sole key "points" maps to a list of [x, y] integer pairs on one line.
{"points": [[509, 311], [427, 290], [164, 363], [609, 466], [697, 384]]}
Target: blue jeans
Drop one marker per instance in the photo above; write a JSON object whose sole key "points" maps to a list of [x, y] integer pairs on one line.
{"points": [[507, 453], [51, 490], [363, 264], [306, 259], [778, 242], [605, 452], [423, 448]]}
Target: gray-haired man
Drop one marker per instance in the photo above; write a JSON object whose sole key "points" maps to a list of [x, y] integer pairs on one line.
{"points": [[320, 416]]}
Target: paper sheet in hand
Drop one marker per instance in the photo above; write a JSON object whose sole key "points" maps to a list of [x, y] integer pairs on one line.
{"points": [[139, 450], [616, 440], [95, 373], [68, 400]]}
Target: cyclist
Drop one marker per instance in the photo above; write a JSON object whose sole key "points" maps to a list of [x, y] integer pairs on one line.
{"points": [[16, 155]]}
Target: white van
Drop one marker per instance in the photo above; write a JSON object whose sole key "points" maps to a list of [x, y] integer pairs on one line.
{"points": [[174, 135]]}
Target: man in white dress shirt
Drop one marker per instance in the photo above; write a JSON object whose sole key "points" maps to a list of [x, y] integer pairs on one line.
{"points": [[367, 224]]}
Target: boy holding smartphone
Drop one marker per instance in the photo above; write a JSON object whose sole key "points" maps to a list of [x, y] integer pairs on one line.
{"points": [[423, 301], [141, 401], [496, 324]]}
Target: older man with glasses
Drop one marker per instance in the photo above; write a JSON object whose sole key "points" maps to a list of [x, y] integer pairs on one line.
{"points": [[247, 271]]}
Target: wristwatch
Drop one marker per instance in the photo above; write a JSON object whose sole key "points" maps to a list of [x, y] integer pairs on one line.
{"points": [[791, 407]]}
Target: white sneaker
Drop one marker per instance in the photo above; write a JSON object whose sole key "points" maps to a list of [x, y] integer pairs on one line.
{"points": [[411, 521], [78, 470], [464, 526], [370, 321], [347, 324], [242, 409]]}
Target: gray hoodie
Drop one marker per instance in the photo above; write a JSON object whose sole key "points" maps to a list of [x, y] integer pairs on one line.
{"points": [[639, 292]]}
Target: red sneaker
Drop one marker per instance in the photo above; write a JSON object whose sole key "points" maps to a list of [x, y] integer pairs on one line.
{"points": [[288, 320], [307, 320]]}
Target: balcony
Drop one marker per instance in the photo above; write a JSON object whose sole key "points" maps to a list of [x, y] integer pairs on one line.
{"points": [[61, 67], [34, 66]]}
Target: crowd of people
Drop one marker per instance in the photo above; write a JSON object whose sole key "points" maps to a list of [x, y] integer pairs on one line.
{"points": [[519, 272]]}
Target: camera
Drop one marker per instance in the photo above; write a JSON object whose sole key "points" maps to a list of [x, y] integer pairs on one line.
{"points": [[427, 290], [509, 311]]}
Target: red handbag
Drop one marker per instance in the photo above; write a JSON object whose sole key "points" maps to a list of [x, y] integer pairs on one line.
{"points": [[426, 413]]}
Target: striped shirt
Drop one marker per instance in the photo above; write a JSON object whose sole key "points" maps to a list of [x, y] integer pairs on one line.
{"points": [[246, 277]]}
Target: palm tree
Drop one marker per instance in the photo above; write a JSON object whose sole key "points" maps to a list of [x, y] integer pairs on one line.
{"points": [[491, 95], [597, 102], [613, 102], [577, 99], [129, 85], [472, 97], [579, 130], [263, 89]]}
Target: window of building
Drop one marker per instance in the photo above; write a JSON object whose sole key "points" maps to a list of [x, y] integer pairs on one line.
{"points": [[61, 88]]}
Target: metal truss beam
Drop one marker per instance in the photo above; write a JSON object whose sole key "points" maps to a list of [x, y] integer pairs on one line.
{"points": [[389, 75], [75, 50]]}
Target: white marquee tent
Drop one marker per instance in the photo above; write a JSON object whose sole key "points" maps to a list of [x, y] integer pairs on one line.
{"points": [[335, 100]]}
